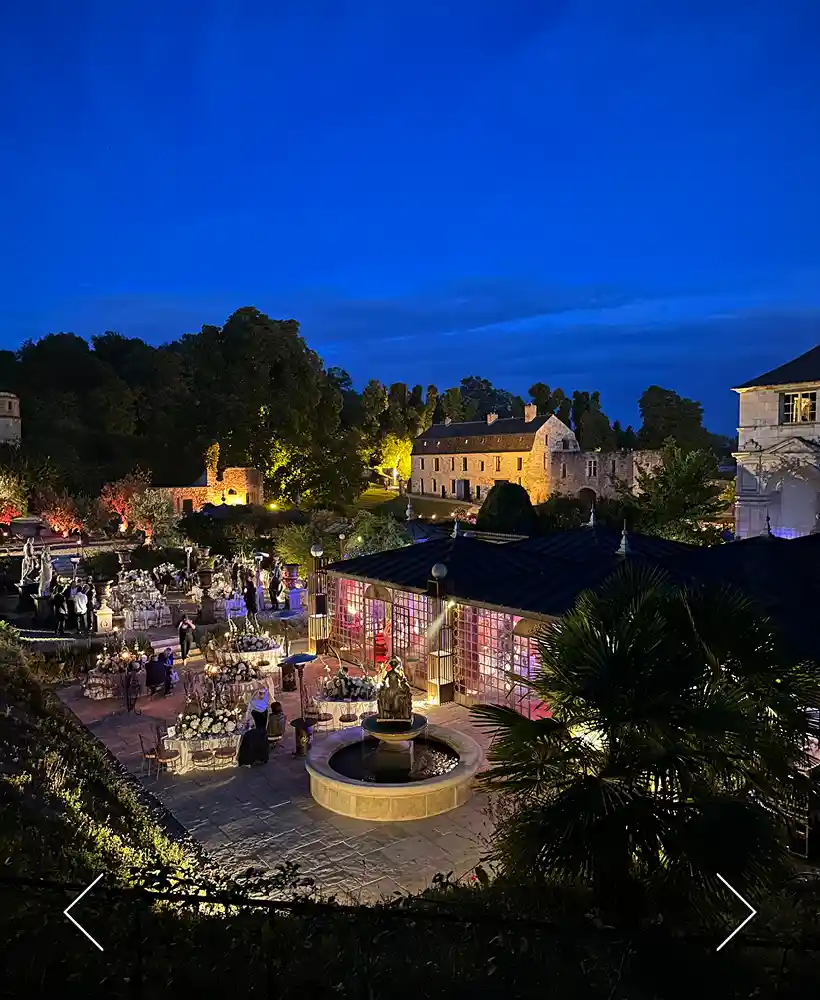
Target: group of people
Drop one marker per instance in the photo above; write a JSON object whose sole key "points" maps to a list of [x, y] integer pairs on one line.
{"points": [[160, 672], [250, 593], [73, 602], [268, 727]]}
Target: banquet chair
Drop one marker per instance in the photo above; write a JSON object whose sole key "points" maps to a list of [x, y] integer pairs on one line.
{"points": [[149, 757], [167, 759], [348, 721], [203, 759], [224, 756]]}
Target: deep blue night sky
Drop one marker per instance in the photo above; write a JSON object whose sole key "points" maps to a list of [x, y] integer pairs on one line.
{"points": [[593, 193]]}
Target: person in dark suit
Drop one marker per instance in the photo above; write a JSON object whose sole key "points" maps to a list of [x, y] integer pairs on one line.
{"points": [[155, 674], [275, 584], [251, 603], [59, 603], [253, 747]]}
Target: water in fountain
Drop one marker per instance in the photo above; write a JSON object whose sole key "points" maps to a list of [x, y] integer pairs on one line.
{"points": [[370, 761]]}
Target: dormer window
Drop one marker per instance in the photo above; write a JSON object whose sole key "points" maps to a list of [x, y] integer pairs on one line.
{"points": [[798, 407], [565, 444]]}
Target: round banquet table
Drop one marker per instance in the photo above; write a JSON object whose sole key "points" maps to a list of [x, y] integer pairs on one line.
{"points": [[100, 685], [187, 747], [336, 708]]}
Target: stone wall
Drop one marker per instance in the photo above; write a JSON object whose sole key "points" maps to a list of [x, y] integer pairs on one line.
{"points": [[238, 486], [483, 470], [10, 423], [555, 464]]}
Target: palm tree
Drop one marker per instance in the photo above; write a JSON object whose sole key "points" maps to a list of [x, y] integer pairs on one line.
{"points": [[677, 739]]}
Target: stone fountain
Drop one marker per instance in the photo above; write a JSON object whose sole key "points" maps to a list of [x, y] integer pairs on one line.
{"points": [[396, 766]]}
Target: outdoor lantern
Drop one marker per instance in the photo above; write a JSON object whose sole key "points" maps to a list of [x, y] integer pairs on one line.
{"points": [[439, 571], [316, 550]]}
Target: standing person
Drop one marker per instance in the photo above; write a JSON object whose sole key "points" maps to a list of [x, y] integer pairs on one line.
{"points": [[274, 584], [235, 576], [89, 592], [251, 605], [186, 631], [60, 605], [154, 674], [167, 660], [81, 609]]}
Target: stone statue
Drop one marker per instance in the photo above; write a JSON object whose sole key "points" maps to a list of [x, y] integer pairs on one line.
{"points": [[29, 560], [395, 699], [46, 572]]}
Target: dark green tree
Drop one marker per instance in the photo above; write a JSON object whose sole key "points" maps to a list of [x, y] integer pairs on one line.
{"points": [[665, 414], [507, 509], [678, 728], [679, 499]]}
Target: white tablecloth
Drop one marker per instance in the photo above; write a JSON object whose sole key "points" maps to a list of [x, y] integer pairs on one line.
{"points": [[100, 685], [187, 747], [144, 618], [339, 708]]}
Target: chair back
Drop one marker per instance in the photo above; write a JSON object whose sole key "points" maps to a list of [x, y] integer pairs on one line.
{"points": [[143, 749]]}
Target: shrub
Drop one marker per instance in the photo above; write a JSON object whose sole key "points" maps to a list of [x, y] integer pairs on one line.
{"points": [[507, 510], [102, 565]]}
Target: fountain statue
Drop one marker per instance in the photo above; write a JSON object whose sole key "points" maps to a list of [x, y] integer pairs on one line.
{"points": [[46, 572], [29, 561], [395, 699]]}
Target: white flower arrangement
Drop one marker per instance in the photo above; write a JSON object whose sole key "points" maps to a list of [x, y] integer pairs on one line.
{"points": [[342, 687], [255, 643], [206, 722], [118, 661], [236, 673]]}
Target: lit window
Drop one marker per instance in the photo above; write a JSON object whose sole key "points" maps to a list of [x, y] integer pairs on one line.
{"points": [[592, 468], [498, 463], [798, 407]]}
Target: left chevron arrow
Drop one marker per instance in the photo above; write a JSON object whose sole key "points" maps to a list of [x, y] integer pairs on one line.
{"points": [[67, 913]]}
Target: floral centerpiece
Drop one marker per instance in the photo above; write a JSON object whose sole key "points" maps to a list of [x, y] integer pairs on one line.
{"points": [[206, 721], [120, 661], [236, 673], [255, 643], [342, 687]]}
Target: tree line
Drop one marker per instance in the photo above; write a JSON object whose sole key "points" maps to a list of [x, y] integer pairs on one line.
{"points": [[100, 410]]}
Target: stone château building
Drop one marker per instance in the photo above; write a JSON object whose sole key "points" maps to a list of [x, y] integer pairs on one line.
{"points": [[10, 422], [778, 458], [227, 486], [463, 461]]}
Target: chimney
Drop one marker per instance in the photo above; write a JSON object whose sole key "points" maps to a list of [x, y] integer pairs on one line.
{"points": [[491, 418], [448, 421], [530, 412]]}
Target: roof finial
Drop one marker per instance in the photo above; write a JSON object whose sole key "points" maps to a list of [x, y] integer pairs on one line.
{"points": [[623, 548], [768, 525], [456, 532], [409, 514], [591, 522]]}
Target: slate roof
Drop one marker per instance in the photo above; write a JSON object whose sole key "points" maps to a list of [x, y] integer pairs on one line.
{"points": [[592, 543], [544, 576], [506, 434], [507, 576], [806, 368]]}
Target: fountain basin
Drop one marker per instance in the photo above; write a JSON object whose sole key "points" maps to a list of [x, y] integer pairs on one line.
{"points": [[392, 802]]}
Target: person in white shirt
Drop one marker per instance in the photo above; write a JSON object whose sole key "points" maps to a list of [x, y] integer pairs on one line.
{"points": [[81, 609], [259, 708]]}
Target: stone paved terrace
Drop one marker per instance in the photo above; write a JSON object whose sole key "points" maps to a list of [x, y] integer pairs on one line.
{"points": [[260, 817]]}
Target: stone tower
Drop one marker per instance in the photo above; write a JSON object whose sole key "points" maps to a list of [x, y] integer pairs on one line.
{"points": [[10, 430]]}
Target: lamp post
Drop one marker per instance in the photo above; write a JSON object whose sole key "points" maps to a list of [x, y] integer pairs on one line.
{"points": [[189, 551], [318, 630]]}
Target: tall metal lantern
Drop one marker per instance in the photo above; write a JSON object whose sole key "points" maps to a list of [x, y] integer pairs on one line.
{"points": [[318, 621]]}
